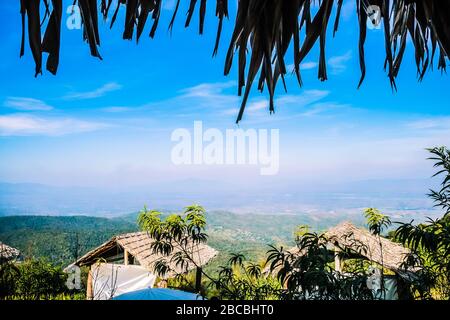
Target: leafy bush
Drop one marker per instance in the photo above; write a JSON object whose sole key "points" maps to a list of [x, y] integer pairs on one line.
{"points": [[430, 242], [32, 280], [307, 272], [243, 280], [8, 276]]}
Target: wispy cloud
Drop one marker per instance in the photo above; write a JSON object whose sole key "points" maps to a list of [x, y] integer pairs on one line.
{"points": [[258, 105], [324, 107], [294, 105], [338, 64], [308, 65], [215, 99], [206, 90], [437, 123], [26, 104], [251, 108], [116, 109], [26, 125], [99, 92], [206, 96], [302, 100], [188, 102]]}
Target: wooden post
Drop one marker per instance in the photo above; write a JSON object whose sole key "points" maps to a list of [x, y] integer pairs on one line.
{"points": [[125, 257], [337, 260], [198, 280], [89, 289], [162, 283]]}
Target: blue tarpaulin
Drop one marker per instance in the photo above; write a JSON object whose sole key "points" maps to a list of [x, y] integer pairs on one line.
{"points": [[158, 294]]}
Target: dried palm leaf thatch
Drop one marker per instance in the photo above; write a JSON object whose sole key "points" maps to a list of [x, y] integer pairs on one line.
{"points": [[263, 32], [348, 238], [139, 245], [8, 253]]}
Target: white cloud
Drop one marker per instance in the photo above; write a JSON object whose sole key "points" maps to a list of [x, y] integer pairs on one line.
{"points": [[308, 65], [294, 106], [251, 108], [303, 66], [437, 123], [258, 105], [99, 92], [206, 96], [206, 90], [26, 125], [323, 107], [26, 104], [298, 102], [191, 101], [303, 99], [338, 63], [116, 109], [211, 99]]}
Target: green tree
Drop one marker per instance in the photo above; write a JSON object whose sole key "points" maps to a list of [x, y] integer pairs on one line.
{"points": [[176, 239], [378, 223], [32, 280], [307, 272], [430, 241], [238, 279], [244, 280], [8, 275]]}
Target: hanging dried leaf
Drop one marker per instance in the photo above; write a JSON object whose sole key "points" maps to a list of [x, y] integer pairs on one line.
{"points": [[263, 32]]}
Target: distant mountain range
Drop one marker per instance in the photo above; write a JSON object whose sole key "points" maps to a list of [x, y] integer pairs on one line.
{"points": [[292, 198], [61, 223], [63, 238]]}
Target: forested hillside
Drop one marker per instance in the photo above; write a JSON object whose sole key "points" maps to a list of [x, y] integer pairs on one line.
{"points": [[59, 239]]}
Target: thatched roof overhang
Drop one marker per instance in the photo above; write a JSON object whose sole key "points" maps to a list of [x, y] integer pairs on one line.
{"points": [[138, 245]]}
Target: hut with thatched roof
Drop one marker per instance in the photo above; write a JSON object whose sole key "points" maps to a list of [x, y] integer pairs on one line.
{"points": [[8, 253], [379, 250], [376, 249], [135, 249], [348, 241], [361, 242]]}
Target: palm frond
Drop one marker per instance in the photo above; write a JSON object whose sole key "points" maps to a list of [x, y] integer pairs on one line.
{"points": [[263, 32]]}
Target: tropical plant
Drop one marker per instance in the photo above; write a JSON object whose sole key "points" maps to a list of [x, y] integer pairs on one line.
{"points": [[244, 280], [177, 234], [300, 231], [377, 223], [430, 241], [307, 272], [238, 279], [304, 272], [263, 32], [32, 280], [8, 275]]}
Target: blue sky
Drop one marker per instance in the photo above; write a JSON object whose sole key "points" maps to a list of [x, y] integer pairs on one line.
{"points": [[108, 123]]}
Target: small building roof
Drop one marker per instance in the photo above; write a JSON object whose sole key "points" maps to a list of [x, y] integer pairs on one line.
{"points": [[367, 245], [138, 245], [8, 253]]}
